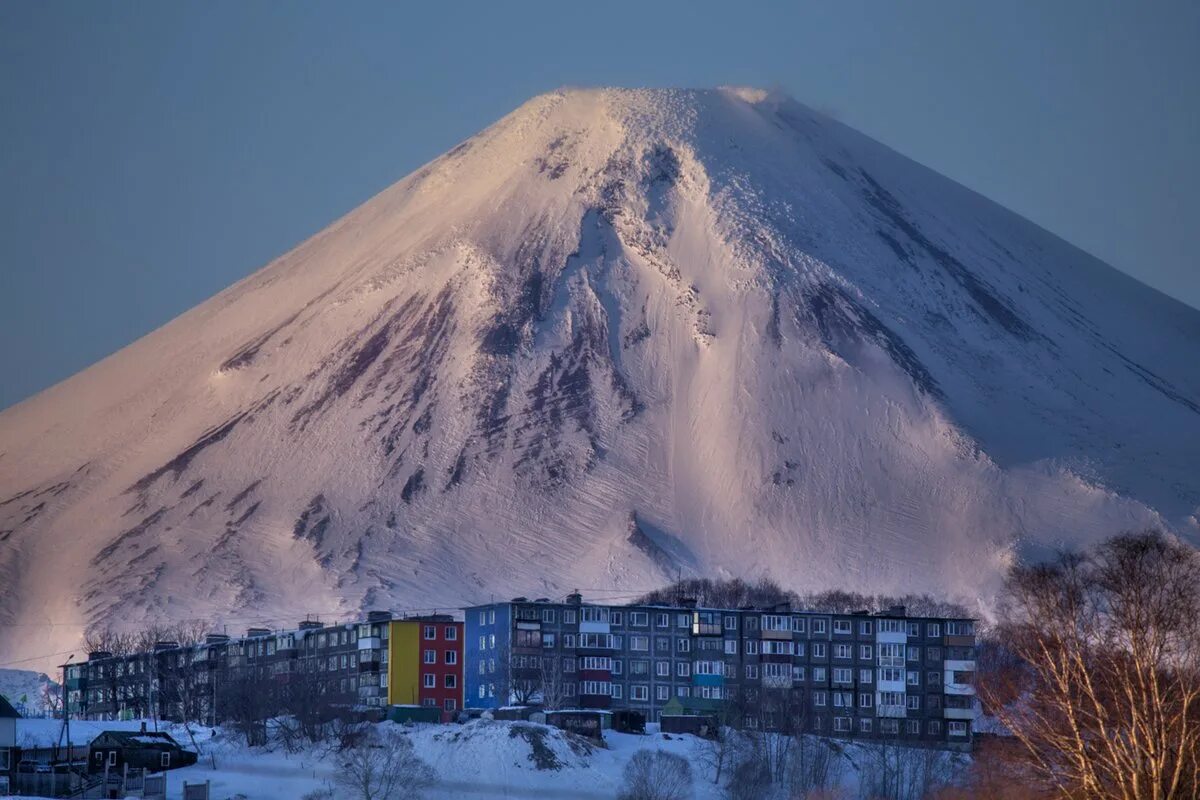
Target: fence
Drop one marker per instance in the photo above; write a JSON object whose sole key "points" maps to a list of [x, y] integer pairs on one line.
{"points": [[154, 786], [195, 791]]}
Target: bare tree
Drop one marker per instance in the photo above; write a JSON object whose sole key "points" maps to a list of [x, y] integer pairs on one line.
{"points": [[517, 680], [383, 767], [552, 686], [1110, 643], [656, 775]]}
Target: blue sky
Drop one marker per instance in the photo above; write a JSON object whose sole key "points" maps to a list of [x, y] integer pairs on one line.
{"points": [[153, 153]]}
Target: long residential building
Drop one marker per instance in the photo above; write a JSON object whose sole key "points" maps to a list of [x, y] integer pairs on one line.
{"points": [[368, 664], [869, 675]]}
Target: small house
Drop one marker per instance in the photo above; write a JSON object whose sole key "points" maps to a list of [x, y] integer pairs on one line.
{"points": [[8, 743], [152, 750]]}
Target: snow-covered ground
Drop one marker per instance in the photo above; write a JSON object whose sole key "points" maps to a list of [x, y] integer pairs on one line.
{"points": [[482, 759], [780, 346]]}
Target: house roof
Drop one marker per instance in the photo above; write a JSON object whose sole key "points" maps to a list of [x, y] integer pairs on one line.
{"points": [[138, 737], [7, 711]]}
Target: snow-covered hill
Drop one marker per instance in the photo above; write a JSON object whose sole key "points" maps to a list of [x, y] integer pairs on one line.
{"points": [[618, 336]]}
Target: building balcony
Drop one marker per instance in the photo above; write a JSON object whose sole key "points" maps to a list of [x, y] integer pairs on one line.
{"points": [[370, 643], [777, 683], [368, 666], [896, 712], [960, 689], [959, 713]]}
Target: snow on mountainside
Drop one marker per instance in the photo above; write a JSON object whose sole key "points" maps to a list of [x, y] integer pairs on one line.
{"points": [[617, 336]]}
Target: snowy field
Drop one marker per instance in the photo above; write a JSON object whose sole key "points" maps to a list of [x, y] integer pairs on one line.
{"points": [[482, 759]]}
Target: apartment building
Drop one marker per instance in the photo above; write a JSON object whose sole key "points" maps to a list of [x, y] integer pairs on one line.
{"points": [[852, 675], [368, 664]]}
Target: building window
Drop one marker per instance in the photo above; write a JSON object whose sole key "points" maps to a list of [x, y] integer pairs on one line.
{"points": [[865, 676], [730, 623], [616, 691], [431, 656], [491, 641], [682, 621], [662, 692], [819, 699], [797, 673], [841, 724], [864, 652], [569, 617], [639, 619], [639, 691], [841, 651], [752, 647], [663, 620], [935, 727], [934, 631], [934, 678], [751, 671], [843, 675], [864, 628], [683, 691], [615, 617], [450, 704], [818, 674], [547, 615], [483, 618], [683, 669], [913, 702], [731, 646], [429, 680], [451, 681], [593, 614], [684, 645], [841, 626], [819, 625], [569, 641], [912, 726], [891, 626], [818, 650], [662, 669], [865, 700], [775, 622], [430, 631], [914, 654], [958, 728], [959, 629], [913, 629], [451, 656], [639, 643], [864, 724], [451, 633], [569, 664], [547, 640], [617, 666], [662, 644]]}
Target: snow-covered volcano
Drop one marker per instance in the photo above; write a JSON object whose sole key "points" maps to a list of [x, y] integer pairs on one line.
{"points": [[618, 336]]}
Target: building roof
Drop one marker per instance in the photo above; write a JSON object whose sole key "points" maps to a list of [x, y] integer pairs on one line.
{"points": [[139, 737], [6, 710]]}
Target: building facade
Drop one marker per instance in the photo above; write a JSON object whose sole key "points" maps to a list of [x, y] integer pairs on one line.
{"points": [[884, 675], [363, 665]]}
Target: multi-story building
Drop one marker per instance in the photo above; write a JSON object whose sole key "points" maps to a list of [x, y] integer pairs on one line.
{"points": [[364, 665], [853, 675]]}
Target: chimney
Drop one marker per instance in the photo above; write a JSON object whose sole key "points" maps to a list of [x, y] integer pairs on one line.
{"points": [[575, 598], [379, 616], [250, 634], [897, 611]]}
